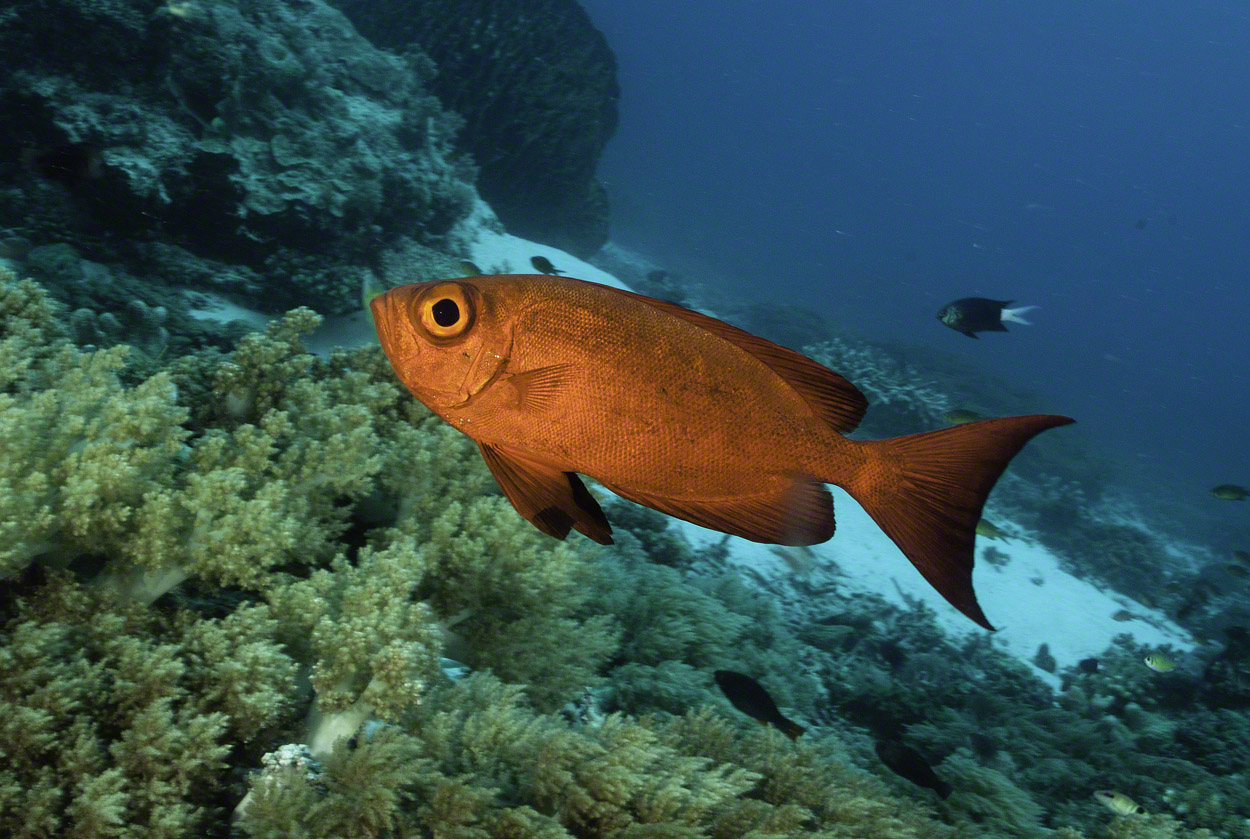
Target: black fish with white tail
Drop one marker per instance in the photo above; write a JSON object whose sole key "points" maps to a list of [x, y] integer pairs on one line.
{"points": [[970, 315]]}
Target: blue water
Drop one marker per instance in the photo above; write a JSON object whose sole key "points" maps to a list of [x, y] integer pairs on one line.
{"points": [[875, 160]]}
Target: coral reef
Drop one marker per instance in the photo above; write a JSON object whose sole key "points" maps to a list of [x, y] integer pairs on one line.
{"points": [[282, 556], [536, 85], [230, 585], [478, 762], [261, 144]]}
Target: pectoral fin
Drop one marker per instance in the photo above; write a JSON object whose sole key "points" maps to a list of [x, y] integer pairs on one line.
{"points": [[800, 514], [549, 498], [538, 389]]}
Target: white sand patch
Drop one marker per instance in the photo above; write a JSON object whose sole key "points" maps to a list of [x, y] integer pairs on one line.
{"points": [[493, 252], [503, 253], [1072, 616], [205, 305]]}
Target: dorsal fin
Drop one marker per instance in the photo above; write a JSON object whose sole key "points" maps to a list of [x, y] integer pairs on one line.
{"points": [[831, 397]]}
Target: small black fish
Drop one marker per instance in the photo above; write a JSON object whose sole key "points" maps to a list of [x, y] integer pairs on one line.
{"points": [[1141, 224], [1087, 665], [1230, 492], [970, 315], [659, 275], [746, 694], [543, 265], [69, 164], [908, 763]]}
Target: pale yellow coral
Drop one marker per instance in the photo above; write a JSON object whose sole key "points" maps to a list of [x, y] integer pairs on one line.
{"points": [[374, 648], [78, 452]]}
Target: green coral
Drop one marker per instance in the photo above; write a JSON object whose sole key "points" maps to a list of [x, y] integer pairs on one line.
{"points": [[522, 599], [484, 764], [78, 450], [679, 627], [986, 801], [374, 648], [248, 471], [115, 723]]}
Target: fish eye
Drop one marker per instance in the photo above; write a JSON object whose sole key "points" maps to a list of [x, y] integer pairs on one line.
{"points": [[445, 311]]}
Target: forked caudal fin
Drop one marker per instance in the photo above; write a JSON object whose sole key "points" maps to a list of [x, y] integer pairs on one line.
{"points": [[1014, 315], [926, 492]]}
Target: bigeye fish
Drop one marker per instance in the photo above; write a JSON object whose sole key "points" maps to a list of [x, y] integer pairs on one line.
{"points": [[970, 315], [749, 697], [1119, 803], [1160, 662], [1230, 492], [554, 377]]}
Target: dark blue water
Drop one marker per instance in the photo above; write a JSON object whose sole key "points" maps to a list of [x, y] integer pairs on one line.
{"points": [[875, 160]]}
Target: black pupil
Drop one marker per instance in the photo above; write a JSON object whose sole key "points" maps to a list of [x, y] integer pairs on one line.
{"points": [[446, 312]]}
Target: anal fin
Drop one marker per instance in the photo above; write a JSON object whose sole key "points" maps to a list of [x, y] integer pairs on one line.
{"points": [[799, 514], [549, 498]]}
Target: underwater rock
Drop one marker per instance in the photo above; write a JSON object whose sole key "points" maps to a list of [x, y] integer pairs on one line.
{"points": [[536, 85], [269, 138]]}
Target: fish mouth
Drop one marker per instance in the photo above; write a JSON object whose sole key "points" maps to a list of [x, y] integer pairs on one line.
{"points": [[378, 307]]}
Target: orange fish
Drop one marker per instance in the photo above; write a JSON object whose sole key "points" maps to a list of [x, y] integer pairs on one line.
{"points": [[553, 376]]}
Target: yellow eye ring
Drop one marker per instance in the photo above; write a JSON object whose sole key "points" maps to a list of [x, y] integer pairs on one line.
{"points": [[445, 311]]}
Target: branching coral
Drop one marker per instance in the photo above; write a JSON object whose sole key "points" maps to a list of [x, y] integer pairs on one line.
{"points": [[524, 598], [374, 648], [677, 629], [115, 724], [484, 765], [78, 451]]}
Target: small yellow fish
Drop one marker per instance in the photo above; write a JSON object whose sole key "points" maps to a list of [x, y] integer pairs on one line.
{"points": [[1119, 803], [1160, 662], [989, 531], [469, 268], [1230, 492], [370, 287], [959, 416]]}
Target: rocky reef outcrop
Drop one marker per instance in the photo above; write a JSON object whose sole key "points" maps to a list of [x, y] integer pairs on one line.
{"points": [[264, 147], [536, 85]]}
